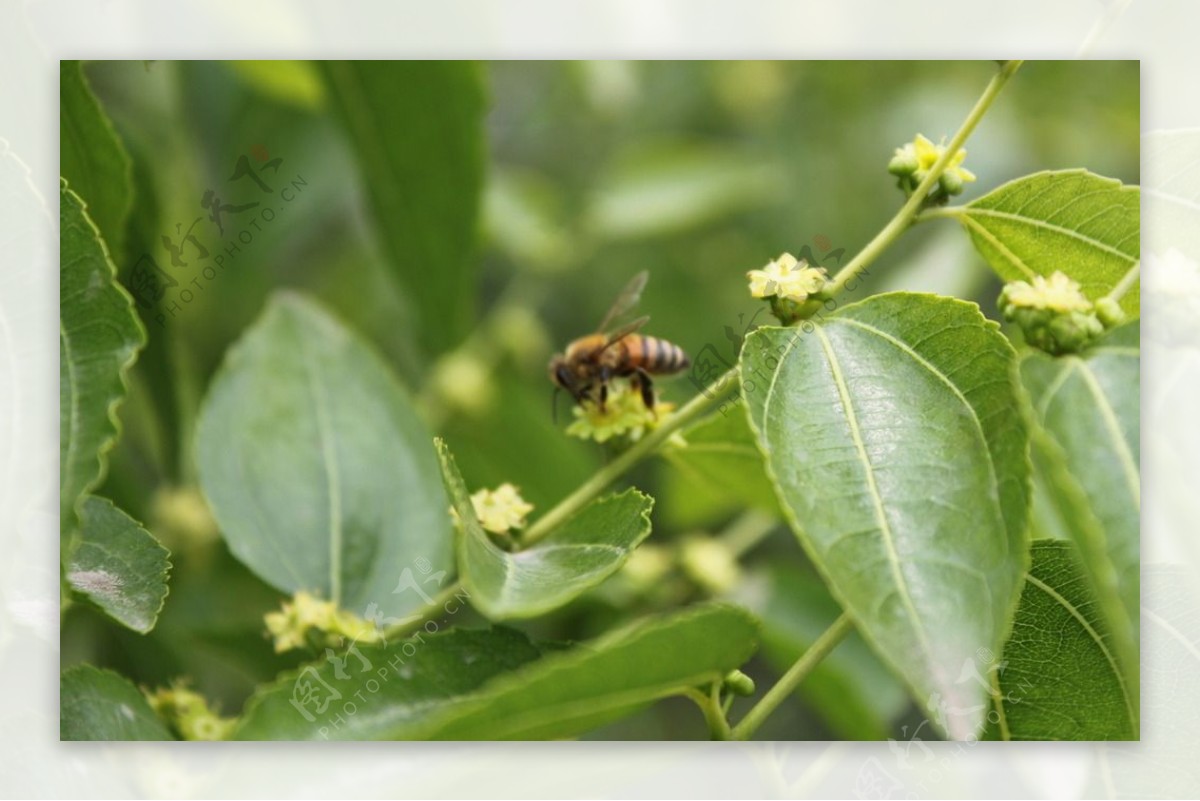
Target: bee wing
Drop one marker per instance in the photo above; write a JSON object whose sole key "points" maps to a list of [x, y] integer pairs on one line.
{"points": [[625, 301], [625, 330]]}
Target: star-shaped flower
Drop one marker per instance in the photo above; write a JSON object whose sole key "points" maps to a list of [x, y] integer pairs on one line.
{"points": [[786, 278]]}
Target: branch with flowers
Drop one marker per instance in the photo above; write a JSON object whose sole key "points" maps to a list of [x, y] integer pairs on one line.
{"points": [[899, 439]]}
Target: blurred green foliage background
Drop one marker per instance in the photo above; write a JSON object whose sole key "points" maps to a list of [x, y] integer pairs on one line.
{"points": [[695, 171]]}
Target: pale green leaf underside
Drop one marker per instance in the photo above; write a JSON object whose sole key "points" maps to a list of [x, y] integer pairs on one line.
{"points": [[98, 704], [1072, 221], [418, 131], [316, 465], [1088, 449], [1059, 679], [894, 438], [92, 159], [493, 685], [119, 566], [583, 552], [99, 336]]}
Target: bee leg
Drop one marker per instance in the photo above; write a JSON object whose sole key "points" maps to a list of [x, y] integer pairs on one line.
{"points": [[605, 375], [647, 387]]}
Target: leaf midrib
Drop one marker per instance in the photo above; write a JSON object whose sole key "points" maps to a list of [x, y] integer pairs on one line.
{"points": [[876, 498], [333, 485], [994, 482], [1033, 222]]}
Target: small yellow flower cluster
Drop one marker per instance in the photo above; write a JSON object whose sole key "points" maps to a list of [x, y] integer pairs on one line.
{"points": [[1057, 293], [624, 415], [305, 613], [1054, 314], [913, 161], [187, 712], [787, 278], [502, 509]]}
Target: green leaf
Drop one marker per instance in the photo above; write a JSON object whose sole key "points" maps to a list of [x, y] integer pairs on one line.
{"points": [[720, 466], [91, 157], [1059, 679], [402, 686], [584, 551], [571, 692], [119, 566], [495, 684], [672, 186], [894, 437], [418, 127], [1087, 448], [98, 704], [853, 691], [99, 337], [1071, 221], [315, 463]]}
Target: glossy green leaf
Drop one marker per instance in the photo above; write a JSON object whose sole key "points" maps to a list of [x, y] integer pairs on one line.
{"points": [[418, 128], [495, 684], [669, 187], [99, 337], [1059, 679], [317, 468], [569, 692], [1087, 452], [119, 566], [719, 467], [98, 704], [894, 437], [855, 693], [1070, 221], [91, 157], [588, 548]]}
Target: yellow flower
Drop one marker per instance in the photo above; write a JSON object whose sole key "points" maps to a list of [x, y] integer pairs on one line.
{"points": [[188, 713], [1056, 293], [289, 627], [501, 509], [786, 278], [927, 153], [624, 414]]}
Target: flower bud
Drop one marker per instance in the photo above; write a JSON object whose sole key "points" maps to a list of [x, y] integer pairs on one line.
{"points": [[904, 162], [1052, 313], [739, 683], [1109, 312], [951, 182]]}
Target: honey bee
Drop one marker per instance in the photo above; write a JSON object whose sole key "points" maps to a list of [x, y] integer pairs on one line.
{"points": [[590, 362]]}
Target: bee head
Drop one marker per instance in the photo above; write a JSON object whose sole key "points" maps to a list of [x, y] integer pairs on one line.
{"points": [[560, 373]]}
